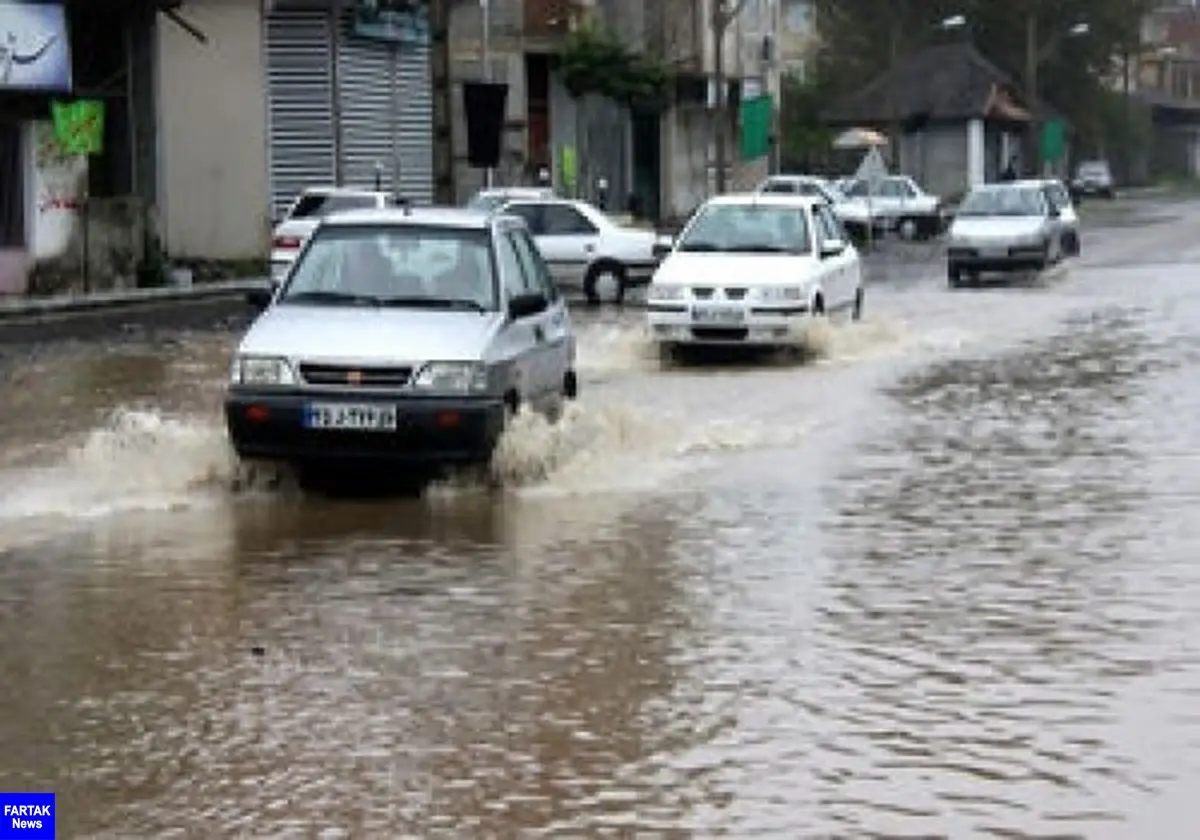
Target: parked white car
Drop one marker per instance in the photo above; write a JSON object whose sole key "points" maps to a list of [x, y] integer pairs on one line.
{"points": [[900, 201], [1004, 228], [586, 248], [754, 270], [800, 185], [306, 212]]}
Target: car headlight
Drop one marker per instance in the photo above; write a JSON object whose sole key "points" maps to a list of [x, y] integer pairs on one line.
{"points": [[452, 377], [781, 293], [658, 291], [261, 370]]}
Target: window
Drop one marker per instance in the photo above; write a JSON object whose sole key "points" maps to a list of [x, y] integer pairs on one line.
{"points": [[564, 220], [777, 187], [748, 229], [828, 224], [1003, 201], [405, 265], [531, 213], [895, 188], [512, 270], [319, 205], [535, 266]]}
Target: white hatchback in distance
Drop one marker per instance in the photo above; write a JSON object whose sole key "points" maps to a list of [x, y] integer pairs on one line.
{"points": [[306, 212], [754, 270]]}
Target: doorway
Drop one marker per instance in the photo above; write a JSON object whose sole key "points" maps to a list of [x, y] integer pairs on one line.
{"points": [[12, 187]]}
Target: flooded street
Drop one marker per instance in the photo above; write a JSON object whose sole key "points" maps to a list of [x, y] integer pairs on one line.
{"points": [[941, 580]]}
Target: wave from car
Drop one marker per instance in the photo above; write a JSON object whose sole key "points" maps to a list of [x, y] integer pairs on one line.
{"points": [[754, 270]]}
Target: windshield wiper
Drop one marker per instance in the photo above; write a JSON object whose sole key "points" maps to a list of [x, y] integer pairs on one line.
{"points": [[331, 297], [699, 246], [422, 302]]}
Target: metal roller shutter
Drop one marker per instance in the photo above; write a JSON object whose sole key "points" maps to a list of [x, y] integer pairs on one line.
{"points": [[299, 79], [387, 115]]}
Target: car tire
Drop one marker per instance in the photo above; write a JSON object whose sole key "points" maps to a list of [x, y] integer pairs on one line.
{"points": [[856, 311], [908, 228], [606, 271], [570, 389], [1109, 194], [953, 276]]}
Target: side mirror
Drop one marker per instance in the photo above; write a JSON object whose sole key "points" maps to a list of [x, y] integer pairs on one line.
{"points": [[260, 299], [660, 249], [831, 248], [1054, 212], [522, 306]]}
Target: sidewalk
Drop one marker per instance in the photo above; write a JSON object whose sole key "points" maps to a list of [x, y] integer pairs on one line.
{"points": [[14, 308]]}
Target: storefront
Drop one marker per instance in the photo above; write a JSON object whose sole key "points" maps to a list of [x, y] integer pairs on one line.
{"points": [[349, 99], [39, 190]]}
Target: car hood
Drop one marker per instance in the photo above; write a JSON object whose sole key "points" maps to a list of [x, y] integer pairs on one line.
{"points": [[995, 227], [317, 333], [700, 269]]}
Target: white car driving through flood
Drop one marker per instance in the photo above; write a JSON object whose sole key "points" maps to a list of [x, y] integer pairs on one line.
{"points": [[754, 269]]}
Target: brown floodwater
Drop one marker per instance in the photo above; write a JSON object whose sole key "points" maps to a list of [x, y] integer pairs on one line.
{"points": [[939, 580]]}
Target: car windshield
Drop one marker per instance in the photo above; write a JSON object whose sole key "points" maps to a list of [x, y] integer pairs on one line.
{"points": [[487, 202], [319, 205], [405, 265], [748, 228], [1093, 169], [1023, 201]]}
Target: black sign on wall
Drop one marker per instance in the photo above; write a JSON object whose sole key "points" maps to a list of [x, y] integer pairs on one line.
{"points": [[485, 106]]}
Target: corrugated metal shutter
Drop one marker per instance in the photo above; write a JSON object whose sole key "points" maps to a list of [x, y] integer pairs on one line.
{"points": [[387, 115], [299, 63]]}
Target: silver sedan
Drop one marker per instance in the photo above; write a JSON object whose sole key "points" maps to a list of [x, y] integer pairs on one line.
{"points": [[1004, 228]]}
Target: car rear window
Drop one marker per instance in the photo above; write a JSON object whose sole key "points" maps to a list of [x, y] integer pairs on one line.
{"points": [[319, 205]]}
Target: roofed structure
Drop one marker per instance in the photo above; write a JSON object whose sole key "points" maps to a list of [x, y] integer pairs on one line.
{"points": [[946, 82]]}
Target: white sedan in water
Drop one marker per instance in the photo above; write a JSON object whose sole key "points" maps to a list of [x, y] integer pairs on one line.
{"points": [[754, 270]]}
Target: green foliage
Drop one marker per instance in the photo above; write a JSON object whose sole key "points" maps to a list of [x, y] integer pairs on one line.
{"points": [[805, 139], [596, 61]]}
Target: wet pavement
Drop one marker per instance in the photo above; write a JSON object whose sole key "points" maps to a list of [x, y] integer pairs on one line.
{"points": [[939, 581]]}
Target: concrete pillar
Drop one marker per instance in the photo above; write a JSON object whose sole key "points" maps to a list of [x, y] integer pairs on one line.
{"points": [[976, 149]]}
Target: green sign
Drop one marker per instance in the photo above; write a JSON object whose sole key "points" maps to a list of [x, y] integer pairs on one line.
{"points": [[1053, 142], [79, 126], [756, 127]]}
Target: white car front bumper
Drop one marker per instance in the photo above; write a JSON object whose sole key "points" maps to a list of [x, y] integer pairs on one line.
{"points": [[740, 323]]}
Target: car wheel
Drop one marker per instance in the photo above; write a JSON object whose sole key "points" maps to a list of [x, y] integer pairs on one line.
{"points": [[570, 389], [604, 279], [857, 310], [908, 228], [953, 276]]}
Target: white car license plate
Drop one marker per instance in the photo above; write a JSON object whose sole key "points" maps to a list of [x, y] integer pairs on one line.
{"points": [[359, 418], [718, 314], [994, 251]]}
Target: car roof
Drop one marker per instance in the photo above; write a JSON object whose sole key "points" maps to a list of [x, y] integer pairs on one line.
{"points": [[819, 179], [522, 192], [341, 191], [447, 217], [764, 199], [1035, 182]]}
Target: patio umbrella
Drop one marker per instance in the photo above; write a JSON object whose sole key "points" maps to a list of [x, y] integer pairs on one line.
{"points": [[859, 138]]}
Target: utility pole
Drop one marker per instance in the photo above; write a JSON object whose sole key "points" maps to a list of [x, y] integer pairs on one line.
{"points": [[486, 8], [722, 16], [1031, 86]]}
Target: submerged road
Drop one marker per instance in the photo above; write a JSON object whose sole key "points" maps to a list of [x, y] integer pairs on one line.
{"points": [[941, 580]]}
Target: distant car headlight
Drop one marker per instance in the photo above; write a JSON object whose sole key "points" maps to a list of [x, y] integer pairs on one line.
{"points": [[659, 291], [261, 370], [780, 294], [452, 377]]}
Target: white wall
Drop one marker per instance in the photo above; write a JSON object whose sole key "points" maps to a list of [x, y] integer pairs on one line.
{"points": [[212, 132]]}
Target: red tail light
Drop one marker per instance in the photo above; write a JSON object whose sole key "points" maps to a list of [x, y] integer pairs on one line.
{"points": [[287, 243]]}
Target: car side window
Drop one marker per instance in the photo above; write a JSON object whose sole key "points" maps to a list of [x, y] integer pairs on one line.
{"points": [[564, 220], [531, 213], [777, 187], [535, 267], [512, 270]]}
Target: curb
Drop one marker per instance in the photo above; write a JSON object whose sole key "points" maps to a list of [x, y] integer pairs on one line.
{"points": [[33, 308]]}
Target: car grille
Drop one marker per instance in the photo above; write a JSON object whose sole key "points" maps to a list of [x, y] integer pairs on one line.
{"points": [[356, 377], [730, 292], [720, 333]]}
